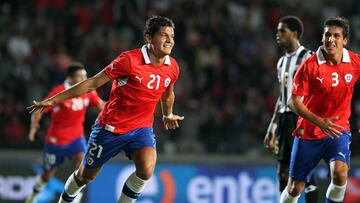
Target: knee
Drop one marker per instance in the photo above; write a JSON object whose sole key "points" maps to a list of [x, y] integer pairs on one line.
{"points": [[145, 172], [339, 177], [295, 189], [84, 179]]}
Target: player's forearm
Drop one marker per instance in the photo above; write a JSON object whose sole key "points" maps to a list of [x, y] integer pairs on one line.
{"points": [[81, 88], [273, 118], [35, 119], [167, 103], [75, 91], [297, 106]]}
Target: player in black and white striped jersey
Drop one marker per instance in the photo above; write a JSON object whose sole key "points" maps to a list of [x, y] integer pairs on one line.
{"points": [[279, 137]]}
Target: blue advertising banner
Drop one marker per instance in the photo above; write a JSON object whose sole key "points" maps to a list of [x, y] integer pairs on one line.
{"points": [[192, 183]]}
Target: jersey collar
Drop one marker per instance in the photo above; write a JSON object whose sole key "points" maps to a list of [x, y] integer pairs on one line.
{"points": [[321, 59], [294, 52], [147, 59], [67, 84]]}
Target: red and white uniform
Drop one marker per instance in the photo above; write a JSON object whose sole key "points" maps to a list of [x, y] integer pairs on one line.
{"points": [[327, 91], [67, 117], [136, 89]]}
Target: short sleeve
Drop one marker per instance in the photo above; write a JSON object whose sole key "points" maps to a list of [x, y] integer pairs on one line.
{"points": [[118, 68], [301, 81]]}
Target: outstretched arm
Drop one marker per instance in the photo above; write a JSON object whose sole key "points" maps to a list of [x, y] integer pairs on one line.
{"points": [[167, 101], [34, 125], [81, 88], [325, 124]]}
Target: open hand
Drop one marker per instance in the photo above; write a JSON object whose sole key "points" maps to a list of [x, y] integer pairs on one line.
{"points": [[39, 106], [329, 128], [171, 122]]}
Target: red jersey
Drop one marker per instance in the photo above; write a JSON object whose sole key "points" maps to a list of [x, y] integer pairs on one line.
{"points": [[327, 91], [136, 89], [67, 117]]}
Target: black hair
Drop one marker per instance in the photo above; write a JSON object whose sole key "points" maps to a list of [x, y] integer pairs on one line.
{"points": [[73, 67], [294, 24], [339, 22], [154, 23]]}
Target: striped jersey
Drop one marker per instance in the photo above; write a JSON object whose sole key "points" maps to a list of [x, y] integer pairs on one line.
{"points": [[286, 67]]}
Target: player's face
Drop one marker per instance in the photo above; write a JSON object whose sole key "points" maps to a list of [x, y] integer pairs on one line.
{"points": [[79, 76], [284, 35], [333, 40], [162, 42]]}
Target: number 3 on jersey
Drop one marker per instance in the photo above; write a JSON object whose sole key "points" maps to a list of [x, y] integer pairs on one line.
{"points": [[335, 79], [154, 81]]}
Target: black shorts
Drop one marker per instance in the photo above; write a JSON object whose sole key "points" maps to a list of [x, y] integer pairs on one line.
{"points": [[284, 139]]}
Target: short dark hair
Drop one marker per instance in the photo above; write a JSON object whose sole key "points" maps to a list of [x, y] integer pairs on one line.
{"points": [[154, 23], [294, 24], [73, 67], [339, 22]]}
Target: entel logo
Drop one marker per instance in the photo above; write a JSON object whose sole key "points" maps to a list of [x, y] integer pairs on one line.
{"points": [[205, 188]]}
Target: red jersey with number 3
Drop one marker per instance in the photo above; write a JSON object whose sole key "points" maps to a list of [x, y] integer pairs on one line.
{"points": [[67, 117], [327, 91], [136, 89]]}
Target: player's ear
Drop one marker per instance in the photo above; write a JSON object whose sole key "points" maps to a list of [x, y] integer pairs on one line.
{"points": [[147, 38], [345, 41]]}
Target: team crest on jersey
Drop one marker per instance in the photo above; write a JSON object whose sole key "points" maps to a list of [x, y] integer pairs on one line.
{"points": [[167, 82], [348, 77], [89, 161]]}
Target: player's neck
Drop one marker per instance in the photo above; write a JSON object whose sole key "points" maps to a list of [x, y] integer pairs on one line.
{"points": [[155, 60], [333, 59], [293, 47]]}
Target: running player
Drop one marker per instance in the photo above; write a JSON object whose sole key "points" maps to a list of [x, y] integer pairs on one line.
{"points": [[65, 135], [321, 95], [140, 78]]}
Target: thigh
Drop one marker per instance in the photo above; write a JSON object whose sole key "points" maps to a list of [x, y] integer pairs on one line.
{"points": [[53, 156], [102, 146], [145, 160], [305, 155], [141, 138], [75, 147], [338, 149], [284, 140]]}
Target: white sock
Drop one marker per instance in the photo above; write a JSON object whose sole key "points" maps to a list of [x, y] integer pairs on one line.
{"points": [[336, 193], [38, 187], [132, 189], [39, 183], [287, 198], [71, 189]]}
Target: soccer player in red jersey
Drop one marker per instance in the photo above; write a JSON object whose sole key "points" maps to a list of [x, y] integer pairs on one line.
{"points": [[65, 135], [321, 96], [140, 78]]}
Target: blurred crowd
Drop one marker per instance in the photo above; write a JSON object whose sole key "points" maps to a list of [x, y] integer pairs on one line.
{"points": [[226, 50]]}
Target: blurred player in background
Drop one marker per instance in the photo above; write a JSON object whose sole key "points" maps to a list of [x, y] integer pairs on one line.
{"points": [[140, 78], [65, 135], [278, 138], [321, 95]]}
